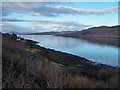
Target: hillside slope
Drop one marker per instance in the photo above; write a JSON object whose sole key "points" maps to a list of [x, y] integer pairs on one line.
{"points": [[102, 31]]}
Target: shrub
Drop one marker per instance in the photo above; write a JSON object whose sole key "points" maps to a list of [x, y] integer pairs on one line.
{"points": [[30, 44], [14, 64], [80, 82], [113, 82], [14, 34], [53, 74], [105, 73]]}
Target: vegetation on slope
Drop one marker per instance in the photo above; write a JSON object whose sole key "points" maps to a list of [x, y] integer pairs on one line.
{"points": [[27, 65]]}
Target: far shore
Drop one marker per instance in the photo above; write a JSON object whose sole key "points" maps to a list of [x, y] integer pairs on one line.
{"points": [[114, 41]]}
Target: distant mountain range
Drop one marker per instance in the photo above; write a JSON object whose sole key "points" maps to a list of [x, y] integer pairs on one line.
{"points": [[53, 33], [97, 32], [102, 31], [14, 32], [18, 33]]}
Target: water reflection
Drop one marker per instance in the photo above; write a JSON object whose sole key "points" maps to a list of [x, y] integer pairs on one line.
{"points": [[93, 51]]}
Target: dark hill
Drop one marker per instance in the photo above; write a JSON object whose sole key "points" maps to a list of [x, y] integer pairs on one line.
{"points": [[102, 31]]}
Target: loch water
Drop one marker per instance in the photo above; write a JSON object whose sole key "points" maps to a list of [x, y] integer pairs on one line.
{"points": [[99, 53]]}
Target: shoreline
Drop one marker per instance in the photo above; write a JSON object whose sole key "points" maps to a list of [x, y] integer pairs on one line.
{"points": [[88, 60], [77, 55]]}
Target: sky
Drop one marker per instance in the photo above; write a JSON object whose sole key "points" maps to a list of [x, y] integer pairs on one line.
{"points": [[34, 17]]}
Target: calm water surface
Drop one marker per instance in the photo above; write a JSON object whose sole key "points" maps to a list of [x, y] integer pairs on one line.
{"points": [[93, 51]]}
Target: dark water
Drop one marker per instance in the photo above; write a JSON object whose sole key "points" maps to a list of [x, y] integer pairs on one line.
{"points": [[99, 53]]}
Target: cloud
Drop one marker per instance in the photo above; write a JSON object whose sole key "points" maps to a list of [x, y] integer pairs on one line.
{"points": [[70, 10], [44, 9], [33, 28], [54, 25], [6, 28], [22, 7], [67, 28], [64, 23], [38, 27], [36, 14]]}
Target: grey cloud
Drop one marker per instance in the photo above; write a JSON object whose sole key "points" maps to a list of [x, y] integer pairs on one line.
{"points": [[22, 7], [9, 28], [64, 23], [46, 10]]}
